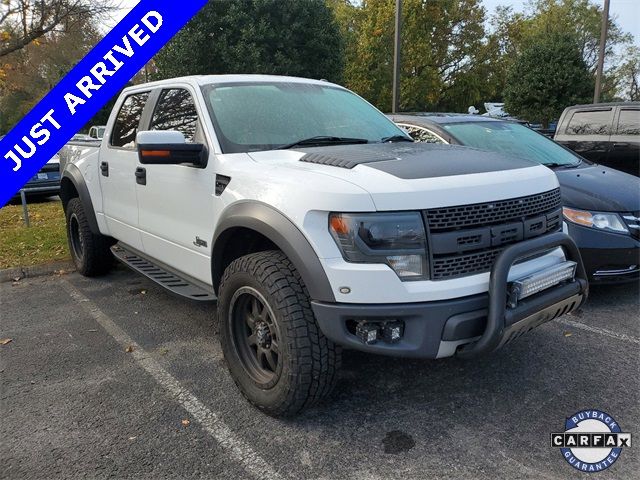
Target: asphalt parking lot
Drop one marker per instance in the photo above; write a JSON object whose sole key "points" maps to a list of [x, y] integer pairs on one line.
{"points": [[113, 377]]}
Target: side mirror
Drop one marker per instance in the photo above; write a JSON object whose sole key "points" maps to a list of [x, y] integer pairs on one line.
{"points": [[169, 147]]}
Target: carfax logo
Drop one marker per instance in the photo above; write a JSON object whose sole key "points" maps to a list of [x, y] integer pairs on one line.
{"points": [[592, 441]]}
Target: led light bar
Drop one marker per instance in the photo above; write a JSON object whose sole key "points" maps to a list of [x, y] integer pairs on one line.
{"points": [[538, 281]]}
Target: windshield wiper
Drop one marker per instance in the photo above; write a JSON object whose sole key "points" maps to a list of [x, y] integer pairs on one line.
{"points": [[561, 165], [396, 138], [324, 140]]}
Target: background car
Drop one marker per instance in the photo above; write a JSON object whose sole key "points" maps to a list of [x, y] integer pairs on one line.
{"points": [[81, 137], [97, 131], [605, 133], [601, 205], [46, 182]]}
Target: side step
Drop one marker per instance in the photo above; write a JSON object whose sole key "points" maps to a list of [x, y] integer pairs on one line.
{"points": [[163, 277]]}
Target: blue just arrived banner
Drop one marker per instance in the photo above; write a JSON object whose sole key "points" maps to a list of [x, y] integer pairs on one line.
{"points": [[83, 91]]}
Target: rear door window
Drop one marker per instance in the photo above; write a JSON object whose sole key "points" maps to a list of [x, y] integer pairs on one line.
{"points": [[127, 122], [629, 122], [591, 122], [176, 110], [420, 134]]}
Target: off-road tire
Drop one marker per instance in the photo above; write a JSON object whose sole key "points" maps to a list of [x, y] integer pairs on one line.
{"points": [[90, 252], [309, 361]]}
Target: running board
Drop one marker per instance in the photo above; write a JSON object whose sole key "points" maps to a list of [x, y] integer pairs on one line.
{"points": [[163, 277]]}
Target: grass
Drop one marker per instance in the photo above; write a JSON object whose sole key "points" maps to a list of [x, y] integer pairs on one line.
{"points": [[44, 242]]}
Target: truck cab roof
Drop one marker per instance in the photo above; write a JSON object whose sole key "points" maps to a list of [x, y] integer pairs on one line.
{"points": [[202, 80]]}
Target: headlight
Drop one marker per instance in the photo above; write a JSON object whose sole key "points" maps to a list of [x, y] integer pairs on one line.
{"points": [[395, 239], [602, 221]]}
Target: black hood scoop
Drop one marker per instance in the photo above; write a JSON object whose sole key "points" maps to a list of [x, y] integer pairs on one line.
{"points": [[413, 160], [348, 156]]}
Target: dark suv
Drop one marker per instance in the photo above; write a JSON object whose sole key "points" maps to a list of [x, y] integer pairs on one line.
{"points": [[605, 133]]}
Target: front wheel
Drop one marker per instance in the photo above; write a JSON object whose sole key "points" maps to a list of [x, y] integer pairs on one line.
{"points": [[90, 252], [275, 351]]}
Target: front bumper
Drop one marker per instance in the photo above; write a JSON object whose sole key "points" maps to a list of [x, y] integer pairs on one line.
{"points": [[608, 257], [466, 326]]}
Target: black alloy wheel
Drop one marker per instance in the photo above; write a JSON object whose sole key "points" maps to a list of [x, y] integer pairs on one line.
{"points": [[256, 336]]}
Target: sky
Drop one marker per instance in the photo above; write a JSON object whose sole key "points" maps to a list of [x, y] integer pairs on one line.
{"points": [[626, 12]]}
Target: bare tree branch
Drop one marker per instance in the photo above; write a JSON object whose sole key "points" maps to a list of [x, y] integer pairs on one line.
{"points": [[27, 20]]}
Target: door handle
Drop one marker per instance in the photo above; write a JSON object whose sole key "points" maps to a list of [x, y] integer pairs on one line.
{"points": [[620, 145], [104, 168], [141, 176]]}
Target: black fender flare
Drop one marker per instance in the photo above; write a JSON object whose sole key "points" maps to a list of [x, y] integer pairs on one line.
{"points": [[74, 175], [283, 233]]}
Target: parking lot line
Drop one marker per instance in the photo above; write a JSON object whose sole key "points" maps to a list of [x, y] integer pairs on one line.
{"points": [[210, 421], [601, 331]]}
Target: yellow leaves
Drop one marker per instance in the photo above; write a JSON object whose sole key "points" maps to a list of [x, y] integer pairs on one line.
{"points": [[5, 36], [36, 42]]}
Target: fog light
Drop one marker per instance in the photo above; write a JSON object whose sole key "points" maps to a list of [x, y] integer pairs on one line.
{"points": [[538, 281], [367, 332], [392, 331]]}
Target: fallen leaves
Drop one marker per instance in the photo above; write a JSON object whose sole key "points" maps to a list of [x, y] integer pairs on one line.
{"points": [[4, 341], [567, 334], [185, 422], [129, 349]]}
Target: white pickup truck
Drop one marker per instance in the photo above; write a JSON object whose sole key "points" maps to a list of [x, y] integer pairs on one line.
{"points": [[316, 223]]}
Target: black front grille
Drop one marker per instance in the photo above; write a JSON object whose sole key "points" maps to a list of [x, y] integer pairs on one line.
{"points": [[453, 266], [467, 239], [492, 213], [633, 223]]}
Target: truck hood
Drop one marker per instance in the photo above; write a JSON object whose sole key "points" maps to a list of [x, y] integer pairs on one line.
{"points": [[598, 188], [416, 175]]}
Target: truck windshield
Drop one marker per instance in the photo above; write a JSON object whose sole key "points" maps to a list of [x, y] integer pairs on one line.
{"points": [[266, 116], [513, 138]]}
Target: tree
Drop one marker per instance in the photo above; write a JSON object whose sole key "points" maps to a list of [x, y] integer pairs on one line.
{"points": [[627, 74], [29, 73], [25, 21], [580, 19], [283, 37], [548, 76], [442, 51]]}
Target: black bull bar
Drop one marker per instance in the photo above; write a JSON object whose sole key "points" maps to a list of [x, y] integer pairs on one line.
{"points": [[505, 324]]}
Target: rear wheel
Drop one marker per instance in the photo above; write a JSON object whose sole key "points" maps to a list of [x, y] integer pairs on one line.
{"points": [[90, 252], [275, 351]]}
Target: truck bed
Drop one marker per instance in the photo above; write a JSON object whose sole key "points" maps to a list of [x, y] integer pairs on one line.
{"points": [[77, 148]]}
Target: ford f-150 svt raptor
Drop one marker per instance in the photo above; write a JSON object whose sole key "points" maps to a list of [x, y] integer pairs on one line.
{"points": [[317, 224]]}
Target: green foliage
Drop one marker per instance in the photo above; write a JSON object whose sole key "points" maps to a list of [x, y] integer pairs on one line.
{"points": [[579, 19], [282, 37], [453, 55], [548, 75], [441, 44]]}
